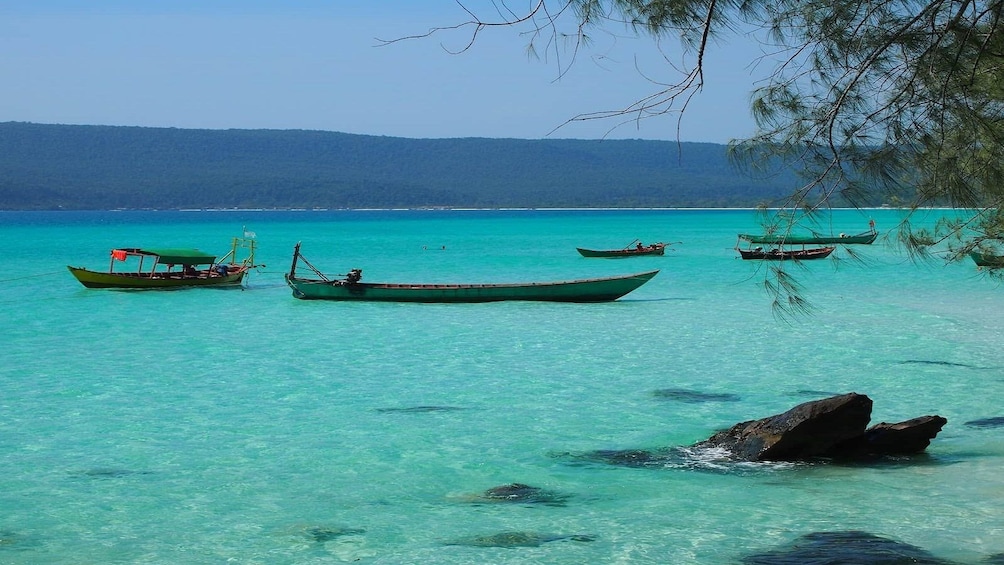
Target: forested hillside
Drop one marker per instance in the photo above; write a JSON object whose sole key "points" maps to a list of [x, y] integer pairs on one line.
{"points": [[104, 167]]}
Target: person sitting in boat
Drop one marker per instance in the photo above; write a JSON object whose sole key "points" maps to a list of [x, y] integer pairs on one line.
{"points": [[354, 276], [640, 246], [221, 270], [190, 271]]}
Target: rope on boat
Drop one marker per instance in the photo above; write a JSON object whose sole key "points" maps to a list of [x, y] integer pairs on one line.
{"points": [[31, 276]]}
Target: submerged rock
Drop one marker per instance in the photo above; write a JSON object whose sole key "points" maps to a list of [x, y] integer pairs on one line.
{"points": [[322, 534], [420, 409], [621, 457], [517, 539], [520, 493], [943, 363], [832, 548], [995, 422], [693, 396], [108, 473]]}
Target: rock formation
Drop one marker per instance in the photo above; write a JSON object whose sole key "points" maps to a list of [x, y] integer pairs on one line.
{"points": [[834, 427]]}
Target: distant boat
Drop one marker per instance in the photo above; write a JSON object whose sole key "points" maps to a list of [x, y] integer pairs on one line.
{"points": [[350, 287], [162, 268], [629, 251], [988, 260], [779, 254], [865, 238]]}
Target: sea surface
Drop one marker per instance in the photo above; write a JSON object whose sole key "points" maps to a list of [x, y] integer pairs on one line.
{"points": [[245, 426]]}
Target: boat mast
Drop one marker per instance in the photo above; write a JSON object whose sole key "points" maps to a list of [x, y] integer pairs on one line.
{"points": [[296, 254]]}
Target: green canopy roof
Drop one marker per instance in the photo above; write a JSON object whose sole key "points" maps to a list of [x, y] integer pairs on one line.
{"points": [[181, 256]]}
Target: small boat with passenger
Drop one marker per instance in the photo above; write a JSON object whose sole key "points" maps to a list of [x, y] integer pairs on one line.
{"points": [[783, 254], [634, 249], [165, 268]]}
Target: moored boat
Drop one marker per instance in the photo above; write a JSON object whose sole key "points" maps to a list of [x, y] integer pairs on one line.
{"points": [[163, 268], [865, 238], [351, 287], [629, 251], [781, 254], [988, 260]]}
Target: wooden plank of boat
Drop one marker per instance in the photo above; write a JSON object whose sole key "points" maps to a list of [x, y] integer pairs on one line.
{"points": [[653, 249], [604, 289], [865, 238], [988, 260], [778, 254], [160, 273]]}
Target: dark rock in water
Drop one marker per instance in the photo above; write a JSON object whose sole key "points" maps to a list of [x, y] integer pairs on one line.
{"points": [[995, 422], [807, 430], [108, 473], [995, 559], [8, 538], [517, 539], [830, 428], [944, 363], [832, 548], [693, 396], [321, 534], [816, 393], [903, 438], [420, 409], [622, 457], [520, 493]]}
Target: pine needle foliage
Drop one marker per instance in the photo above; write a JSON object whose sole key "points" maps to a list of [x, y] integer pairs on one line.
{"points": [[892, 102]]}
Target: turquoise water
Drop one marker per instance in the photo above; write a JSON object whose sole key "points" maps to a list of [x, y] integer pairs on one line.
{"points": [[244, 426]]}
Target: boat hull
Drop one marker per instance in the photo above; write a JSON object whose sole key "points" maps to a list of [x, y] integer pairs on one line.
{"points": [[866, 238], [160, 280], [622, 253], [986, 259], [584, 290], [787, 254]]}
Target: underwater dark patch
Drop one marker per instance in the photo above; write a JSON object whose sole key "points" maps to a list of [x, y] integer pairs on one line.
{"points": [[832, 548], [321, 534], [519, 493], [813, 393], [995, 422], [942, 363], [108, 473], [420, 409], [517, 539], [693, 396]]}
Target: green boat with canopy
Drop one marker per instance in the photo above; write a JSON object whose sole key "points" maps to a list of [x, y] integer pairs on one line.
{"points": [[161, 268], [350, 287]]}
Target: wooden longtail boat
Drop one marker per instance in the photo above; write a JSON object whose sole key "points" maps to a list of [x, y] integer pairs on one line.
{"points": [[171, 268], [629, 251], [865, 238], [778, 254], [988, 260], [352, 288]]}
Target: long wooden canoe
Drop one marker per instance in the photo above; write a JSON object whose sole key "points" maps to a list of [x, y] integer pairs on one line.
{"points": [[786, 254], [865, 238], [351, 288]]}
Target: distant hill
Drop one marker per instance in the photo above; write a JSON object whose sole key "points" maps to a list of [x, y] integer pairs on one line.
{"points": [[45, 167]]}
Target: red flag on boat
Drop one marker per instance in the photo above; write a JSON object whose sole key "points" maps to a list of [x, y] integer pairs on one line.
{"points": [[119, 254]]}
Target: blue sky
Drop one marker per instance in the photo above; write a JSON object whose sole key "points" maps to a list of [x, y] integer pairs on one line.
{"points": [[312, 64]]}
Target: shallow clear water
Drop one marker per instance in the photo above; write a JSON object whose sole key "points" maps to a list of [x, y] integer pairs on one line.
{"points": [[204, 426]]}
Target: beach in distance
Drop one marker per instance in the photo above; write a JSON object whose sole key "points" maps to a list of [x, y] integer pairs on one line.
{"points": [[246, 426]]}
